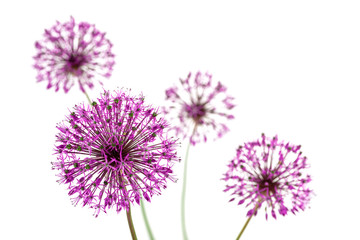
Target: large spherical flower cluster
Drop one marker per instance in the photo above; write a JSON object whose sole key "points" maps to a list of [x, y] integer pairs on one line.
{"points": [[270, 172], [199, 108], [73, 52], [114, 152]]}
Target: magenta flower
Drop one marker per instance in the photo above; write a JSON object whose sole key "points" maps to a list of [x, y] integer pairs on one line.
{"points": [[73, 52], [199, 107], [270, 172], [114, 152]]}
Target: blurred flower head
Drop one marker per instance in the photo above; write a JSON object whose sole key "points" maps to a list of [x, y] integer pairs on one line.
{"points": [[114, 152], [198, 108], [269, 172], [70, 53]]}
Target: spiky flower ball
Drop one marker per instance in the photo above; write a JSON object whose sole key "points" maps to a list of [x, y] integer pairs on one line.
{"points": [[199, 107], [269, 172], [71, 52], [114, 152]]}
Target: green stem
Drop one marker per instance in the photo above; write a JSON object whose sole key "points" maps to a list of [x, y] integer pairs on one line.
{"points": [[131, 225], [87, 96], [247, 222], [183, 227], [148, 228], [243, 229]]}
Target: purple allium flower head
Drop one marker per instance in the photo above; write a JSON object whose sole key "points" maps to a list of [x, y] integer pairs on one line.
{"points": [[271, 172], [198, 106], [73, 52], [114, 152]]}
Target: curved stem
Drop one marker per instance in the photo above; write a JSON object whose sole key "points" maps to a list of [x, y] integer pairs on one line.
{"points": [[131, 225], [148, 228], [87, 96], [247, 222], [183, 227]]}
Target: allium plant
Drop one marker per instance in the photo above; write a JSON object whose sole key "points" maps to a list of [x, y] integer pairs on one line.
{"points": [[200, 107], [71, 52], [269, 172], [114, 152], [197, 109]]}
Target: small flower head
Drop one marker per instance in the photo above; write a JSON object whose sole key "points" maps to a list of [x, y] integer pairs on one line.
{"points": [[114, 152], [71, 52], [269, 172], [200, 107]]}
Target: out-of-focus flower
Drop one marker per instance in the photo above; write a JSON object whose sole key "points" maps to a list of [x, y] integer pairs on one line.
{"points": [[114, 152], [199, 108], [270, 172], [70, 53]]}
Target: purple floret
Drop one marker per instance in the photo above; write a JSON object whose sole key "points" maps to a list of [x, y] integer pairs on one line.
{"points": [[270, 172], [70, 53], [199, 108], [114, 152]]}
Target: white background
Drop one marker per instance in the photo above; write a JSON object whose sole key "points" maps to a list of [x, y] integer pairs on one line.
{"points": [[293, 67]]}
